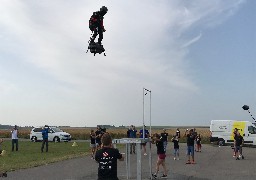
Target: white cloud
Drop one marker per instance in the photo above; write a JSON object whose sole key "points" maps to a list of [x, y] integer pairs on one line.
{"points": [[192, 41]]}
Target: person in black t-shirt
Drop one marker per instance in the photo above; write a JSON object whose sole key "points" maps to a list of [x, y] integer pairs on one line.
{"points": [[190, 145], [239, 141], [178, 132], [98, 133], [93, 143], [161, 156], [128, 132], [198, 143], [132, 134], [107, 159], [164, 136], [176, 147]]}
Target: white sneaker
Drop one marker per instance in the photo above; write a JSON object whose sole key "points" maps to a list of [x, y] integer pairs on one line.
{"points": [[174, 158], [145, 154], [178, 158]]}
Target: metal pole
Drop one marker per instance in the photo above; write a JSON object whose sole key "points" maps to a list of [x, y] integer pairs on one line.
{"points": [[150, 129], [150, 114], [150, 132], [143, 126]]}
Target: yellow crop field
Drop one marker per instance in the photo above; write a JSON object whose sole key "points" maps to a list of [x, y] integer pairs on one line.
{"points": [[84, 133]]}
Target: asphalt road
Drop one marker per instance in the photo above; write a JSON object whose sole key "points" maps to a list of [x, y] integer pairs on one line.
{"points": [[212, 163]]}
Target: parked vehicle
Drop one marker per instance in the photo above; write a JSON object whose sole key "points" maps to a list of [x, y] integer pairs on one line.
{"points": [[55, 134], [222, 131]]}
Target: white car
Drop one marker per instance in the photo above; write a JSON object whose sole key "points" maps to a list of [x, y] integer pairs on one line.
{"points": [[54, 134]]}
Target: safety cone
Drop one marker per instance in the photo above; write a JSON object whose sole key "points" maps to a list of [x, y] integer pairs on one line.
{"points": [[74, 144]]}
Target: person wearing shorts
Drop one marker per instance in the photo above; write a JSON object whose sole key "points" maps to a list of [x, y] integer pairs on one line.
{"points": [[144, 134], [161, 156], [239, 140], [190, 145]]}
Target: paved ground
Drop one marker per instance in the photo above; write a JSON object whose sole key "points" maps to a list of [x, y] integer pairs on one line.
{"points": [[212, 163]]}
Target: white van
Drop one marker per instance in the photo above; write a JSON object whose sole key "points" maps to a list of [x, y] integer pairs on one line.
{"points": [[222, 131], [54, 134]]}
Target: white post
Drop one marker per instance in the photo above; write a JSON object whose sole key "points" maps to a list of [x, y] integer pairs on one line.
{"points": [[139, 161], [150, 159], [128, 161]]}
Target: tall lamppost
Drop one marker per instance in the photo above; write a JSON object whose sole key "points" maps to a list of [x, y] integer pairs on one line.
{"points": [[145, 92]]}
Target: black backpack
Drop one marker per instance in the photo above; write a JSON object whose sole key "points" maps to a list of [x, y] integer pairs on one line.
{"points": [[95, 20]]}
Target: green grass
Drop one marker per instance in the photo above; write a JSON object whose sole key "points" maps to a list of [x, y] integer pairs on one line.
{"points": [[29, 154]]}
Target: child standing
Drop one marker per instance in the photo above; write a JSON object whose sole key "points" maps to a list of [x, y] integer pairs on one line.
{"points": [[176, 147], [93, 143], [198, 143]]}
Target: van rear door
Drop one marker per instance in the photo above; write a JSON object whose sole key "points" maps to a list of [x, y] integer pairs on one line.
{"points": [[250, 135]]}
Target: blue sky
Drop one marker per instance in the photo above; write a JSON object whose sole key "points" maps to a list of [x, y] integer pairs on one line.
{"points": [[197, 57]]}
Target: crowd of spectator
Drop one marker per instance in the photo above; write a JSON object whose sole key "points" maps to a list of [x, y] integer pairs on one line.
{"points": [[161, 140]]}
